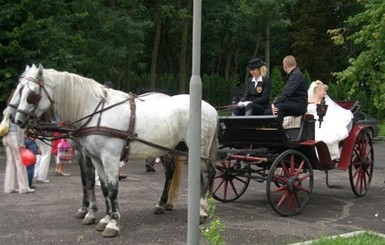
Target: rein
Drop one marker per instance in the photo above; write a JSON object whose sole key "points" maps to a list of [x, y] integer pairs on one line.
{"points": [[225, 108]]}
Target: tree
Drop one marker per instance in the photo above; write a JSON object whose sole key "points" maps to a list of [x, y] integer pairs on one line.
{"points": [[308, 35], [366, 70]]}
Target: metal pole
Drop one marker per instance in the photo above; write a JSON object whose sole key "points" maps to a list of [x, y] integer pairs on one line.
{"points": [[193, 233]]}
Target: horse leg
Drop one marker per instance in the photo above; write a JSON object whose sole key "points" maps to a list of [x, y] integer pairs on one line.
{"points": [[113, 226], [109, 180], [82, 211], [168, 167], [207, 179], [90, 183]]}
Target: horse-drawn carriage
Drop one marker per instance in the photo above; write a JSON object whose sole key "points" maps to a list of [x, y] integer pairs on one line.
{"points": [[262, 148]]}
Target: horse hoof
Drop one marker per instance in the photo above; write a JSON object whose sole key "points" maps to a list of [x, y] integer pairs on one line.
{"points": [[107, 233], [101, 226], [202, 219], [80, 214], [168, 206], [89, 221], [158, 210]]}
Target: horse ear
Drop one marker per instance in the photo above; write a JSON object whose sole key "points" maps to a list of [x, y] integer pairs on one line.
{"points": [[27, 67], [40, 73]]}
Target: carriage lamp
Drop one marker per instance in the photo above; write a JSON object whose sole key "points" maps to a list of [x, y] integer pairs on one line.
{"points": [[321, 110]]}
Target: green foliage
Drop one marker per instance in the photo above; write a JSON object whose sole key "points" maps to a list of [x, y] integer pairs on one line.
{"points": [[382, 129], [366, 238], [366, 70], [113, 40], [212, 232], [277, 81]]}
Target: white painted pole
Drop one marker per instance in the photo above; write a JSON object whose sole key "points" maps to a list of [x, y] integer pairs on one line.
{"points": [[193, 233]]}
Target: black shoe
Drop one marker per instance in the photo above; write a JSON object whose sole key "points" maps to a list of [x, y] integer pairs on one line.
{"points": [[122, 177], [149, 168]]}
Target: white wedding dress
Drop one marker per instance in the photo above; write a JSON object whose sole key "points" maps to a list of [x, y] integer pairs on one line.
{"points": [[335, 126]]}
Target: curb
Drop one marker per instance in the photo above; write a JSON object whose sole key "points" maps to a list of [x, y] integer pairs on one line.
{"points": [[345, 235], [379, 138]]}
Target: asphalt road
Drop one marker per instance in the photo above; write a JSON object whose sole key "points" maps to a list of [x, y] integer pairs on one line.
{"points": [[46, 216]]}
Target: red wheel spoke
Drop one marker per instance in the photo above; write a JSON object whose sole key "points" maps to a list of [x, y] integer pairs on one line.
{"points": [[284, 168], [278, 189], [225, 190], [303, 178], [283, 197], [297, 199], [281, 179], [220, 184], [240, 180]]}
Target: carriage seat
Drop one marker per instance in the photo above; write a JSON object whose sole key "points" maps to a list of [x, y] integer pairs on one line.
{"points": [[291, 122], [299, 128]]}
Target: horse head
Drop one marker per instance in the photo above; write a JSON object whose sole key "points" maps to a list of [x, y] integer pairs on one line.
{"points": [[14, 99], [33, 96]]}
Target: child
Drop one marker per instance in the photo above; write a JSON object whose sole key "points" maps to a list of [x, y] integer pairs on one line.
{"points": [[63, 151], [31, 145]]}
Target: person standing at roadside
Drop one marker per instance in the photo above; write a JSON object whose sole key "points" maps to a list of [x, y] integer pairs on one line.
{"points": [[43, 160], [293, 99], [14, 169]]}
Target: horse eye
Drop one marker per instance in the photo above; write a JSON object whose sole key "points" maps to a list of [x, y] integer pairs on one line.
{"points": [[33, 98]]}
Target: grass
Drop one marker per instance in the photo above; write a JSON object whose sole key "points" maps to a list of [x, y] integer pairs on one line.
{"points": [[364, 238], [382, 129]]}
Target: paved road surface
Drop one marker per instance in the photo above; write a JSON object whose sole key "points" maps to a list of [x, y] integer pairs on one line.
{"points": [[46, 217]]}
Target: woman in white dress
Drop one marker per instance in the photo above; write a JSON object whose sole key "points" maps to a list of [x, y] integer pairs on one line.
{"points": [[336, 123]]}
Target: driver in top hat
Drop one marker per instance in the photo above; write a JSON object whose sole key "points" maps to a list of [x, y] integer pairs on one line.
{"points": [[255, 99]]}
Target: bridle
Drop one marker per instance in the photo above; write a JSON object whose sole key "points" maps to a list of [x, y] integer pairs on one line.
{"points": [[34, 98]]}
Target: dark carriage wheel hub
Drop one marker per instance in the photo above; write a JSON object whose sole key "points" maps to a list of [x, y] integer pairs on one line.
{"points": [[294, 184], [227, 175], [364, 163]]}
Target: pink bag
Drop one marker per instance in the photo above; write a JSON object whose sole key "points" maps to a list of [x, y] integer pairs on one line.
{"points": [[65, 150]]}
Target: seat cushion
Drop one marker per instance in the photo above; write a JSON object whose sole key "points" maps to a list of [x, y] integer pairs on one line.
{"points": [[291, 122]]}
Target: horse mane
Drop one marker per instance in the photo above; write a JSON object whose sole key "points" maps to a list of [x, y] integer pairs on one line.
{"points": [[72, 93]]}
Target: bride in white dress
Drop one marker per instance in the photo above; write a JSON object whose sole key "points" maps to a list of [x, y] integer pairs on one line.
{"points": [[336, 123]]}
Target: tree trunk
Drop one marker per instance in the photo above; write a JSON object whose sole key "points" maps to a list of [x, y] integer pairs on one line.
{"points": [[267, 50], [155, 49], [257, 44], [183, 52]]}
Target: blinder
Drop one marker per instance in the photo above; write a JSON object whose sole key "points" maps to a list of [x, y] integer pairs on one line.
{"points": [[33, 98]]}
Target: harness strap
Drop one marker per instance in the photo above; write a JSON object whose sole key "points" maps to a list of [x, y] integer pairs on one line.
{"points": [[100, 111], [103, 101], [130, 128], [111, 132]]}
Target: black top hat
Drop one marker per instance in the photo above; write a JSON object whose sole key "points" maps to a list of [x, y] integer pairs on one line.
{"points": [[255, 63]]}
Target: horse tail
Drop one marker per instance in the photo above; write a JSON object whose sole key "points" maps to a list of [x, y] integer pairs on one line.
{"points": [[179, 162]]}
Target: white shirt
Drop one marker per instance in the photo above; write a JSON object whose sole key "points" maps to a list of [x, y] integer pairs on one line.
{"points": [[256, 81]]}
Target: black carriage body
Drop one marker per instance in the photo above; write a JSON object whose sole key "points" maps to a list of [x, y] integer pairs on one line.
{"points": [[263, 148]]}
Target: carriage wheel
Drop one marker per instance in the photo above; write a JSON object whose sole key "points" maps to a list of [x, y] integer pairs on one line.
{"points": [[361, 166], [289, 183], [231, 180]]}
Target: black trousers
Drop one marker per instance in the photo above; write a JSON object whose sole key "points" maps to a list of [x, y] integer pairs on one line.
{"points": [[288, 108]]}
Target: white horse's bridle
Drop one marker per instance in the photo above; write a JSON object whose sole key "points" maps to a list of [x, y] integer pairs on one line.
{"points": [[34, 98]]}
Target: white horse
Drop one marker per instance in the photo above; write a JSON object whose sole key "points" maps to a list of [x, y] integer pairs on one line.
{"points": [[108, 133], [173, 165]]}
